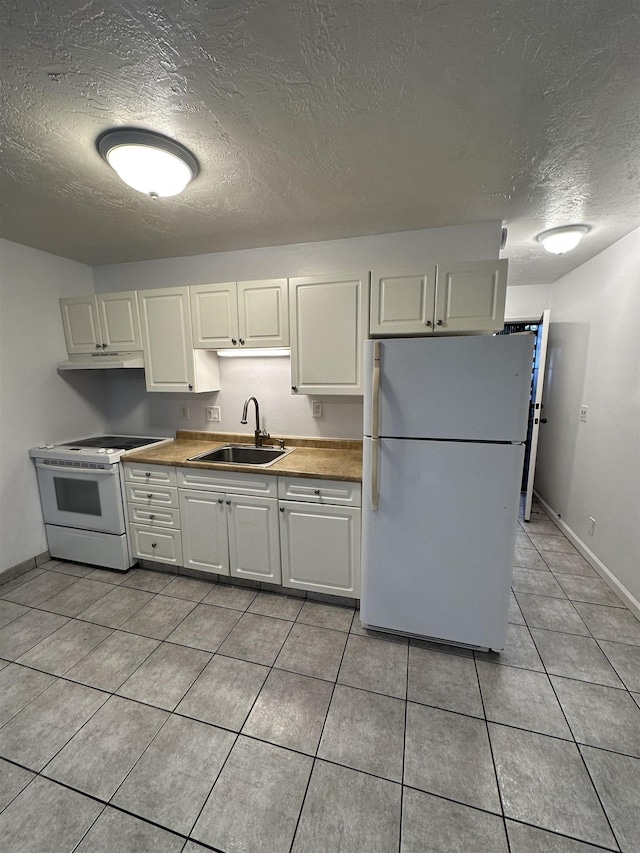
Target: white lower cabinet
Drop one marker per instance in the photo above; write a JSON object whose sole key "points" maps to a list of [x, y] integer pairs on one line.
{"points": [[205, 545], [320, 547], [227, 533]]}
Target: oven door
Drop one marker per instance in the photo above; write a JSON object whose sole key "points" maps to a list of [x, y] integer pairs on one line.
{"points": [[88, 498]]}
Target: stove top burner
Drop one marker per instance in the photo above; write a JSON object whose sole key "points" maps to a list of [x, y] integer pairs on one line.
{"points": [[113, 442]]}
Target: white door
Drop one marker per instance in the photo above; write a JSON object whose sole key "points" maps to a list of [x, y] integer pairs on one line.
{"points": [[119, 321], [254, 545], [536, 395], [329, 321], [263, 313], [402, 303], [203, 518], [320, 547], [466, 387], [166, 335], [214, 315], [81, 324], [438, 553], [470, 297]]}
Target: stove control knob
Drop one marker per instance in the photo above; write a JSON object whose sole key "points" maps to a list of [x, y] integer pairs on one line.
{"points": [[49, 446], [101, 450], [41, 446]]}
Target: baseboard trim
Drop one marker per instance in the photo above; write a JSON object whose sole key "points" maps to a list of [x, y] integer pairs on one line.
{"points": [[607, 576], [13, 572]]}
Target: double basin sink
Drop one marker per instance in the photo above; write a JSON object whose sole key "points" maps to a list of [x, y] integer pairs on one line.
{"points": [[243, 454]]}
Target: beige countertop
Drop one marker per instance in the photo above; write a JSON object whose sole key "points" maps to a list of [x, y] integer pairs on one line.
{"points": [[323, 458]]}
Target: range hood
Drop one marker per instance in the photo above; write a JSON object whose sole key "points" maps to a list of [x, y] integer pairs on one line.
{"points": [[102, 360]]}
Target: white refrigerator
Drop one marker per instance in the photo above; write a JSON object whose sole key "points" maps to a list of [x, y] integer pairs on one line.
{"points": [[445, 420]]}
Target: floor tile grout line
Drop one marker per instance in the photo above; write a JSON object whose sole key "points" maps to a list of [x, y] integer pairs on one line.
{"points": [[584, 763], [404, 745], [588, 634], [324, 724]]}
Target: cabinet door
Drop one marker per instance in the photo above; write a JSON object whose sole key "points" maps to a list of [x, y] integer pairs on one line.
{"points": [[470, 297], [329, 320], [320, 548], [402, 303], [254, 544], [119, 321], [166, 336], [163, 546], [203, 516], [81, 324], [263, 313], [214, 315]]}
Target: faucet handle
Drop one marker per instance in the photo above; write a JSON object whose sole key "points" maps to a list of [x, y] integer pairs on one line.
{"points": [[281, 443]]}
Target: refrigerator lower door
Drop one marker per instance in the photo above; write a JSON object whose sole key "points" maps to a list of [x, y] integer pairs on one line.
{"points": [[437, 555]]}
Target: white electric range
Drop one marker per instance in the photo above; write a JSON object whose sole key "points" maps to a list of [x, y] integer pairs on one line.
{"points": [[82, 494]]}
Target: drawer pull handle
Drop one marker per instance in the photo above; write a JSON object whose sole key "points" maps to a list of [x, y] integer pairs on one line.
{"points": [[149, 495], [153, 544], [148, 474], [152, 517], [316, 491]]}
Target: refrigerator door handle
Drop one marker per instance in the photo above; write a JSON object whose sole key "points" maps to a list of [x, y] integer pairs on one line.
{"points": [[375, 486], [375, 391]]}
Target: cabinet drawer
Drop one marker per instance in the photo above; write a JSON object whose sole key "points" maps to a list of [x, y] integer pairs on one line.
{"points": [[319, 491], [153, 516], [164, 546], [164, 475], [219, 481], [152, 495]]}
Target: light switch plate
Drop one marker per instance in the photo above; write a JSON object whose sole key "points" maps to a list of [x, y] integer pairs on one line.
{"points": [[213, 414]]}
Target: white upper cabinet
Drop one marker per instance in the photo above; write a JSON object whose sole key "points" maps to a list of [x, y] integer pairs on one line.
{"points": [[109, 322], [453, 298], [240, 314], [329, 319], [171, 363]]}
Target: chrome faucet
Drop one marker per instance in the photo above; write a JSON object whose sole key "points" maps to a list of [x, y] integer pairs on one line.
{"points": [[258, 434]]}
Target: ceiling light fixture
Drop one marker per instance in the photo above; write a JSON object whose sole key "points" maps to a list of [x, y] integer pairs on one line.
{"points": [[148, 162], [561, 240]]}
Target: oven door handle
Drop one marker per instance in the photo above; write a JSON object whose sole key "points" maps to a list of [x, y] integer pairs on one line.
{"points": [[61, 469]]}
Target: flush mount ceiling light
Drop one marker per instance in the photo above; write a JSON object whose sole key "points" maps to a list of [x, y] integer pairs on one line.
{"points": [[561, 240], [148, 162]]}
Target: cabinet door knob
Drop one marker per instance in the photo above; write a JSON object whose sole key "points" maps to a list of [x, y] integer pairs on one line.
{"points": [[281, 509], [190, 387], [440, 323], [427, 323], [97, 346], [234, 341], [153, 544], [104, 346], [242, 341], [149, 495], [294, 388], [228, 503], [220, 501]]}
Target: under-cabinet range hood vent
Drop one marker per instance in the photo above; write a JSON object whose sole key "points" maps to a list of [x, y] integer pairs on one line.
{"points": [[102, 360]]}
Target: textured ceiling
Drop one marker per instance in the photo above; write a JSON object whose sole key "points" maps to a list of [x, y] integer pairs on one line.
{"points": [[319, 119]]}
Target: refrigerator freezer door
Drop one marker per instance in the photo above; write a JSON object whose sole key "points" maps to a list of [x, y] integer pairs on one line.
{"points": [[473, 388], [437, 555]]}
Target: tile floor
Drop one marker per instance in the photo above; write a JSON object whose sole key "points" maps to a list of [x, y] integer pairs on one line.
{"points": [[147, 712]]}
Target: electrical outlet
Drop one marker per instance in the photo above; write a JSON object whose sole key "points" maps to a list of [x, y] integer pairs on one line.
{"points": [[584, 411], [213, 414], [184, 413], [316, 409], [592, 526]]}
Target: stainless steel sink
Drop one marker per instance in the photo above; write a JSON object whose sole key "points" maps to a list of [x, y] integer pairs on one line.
{"points": [[243, 454]]}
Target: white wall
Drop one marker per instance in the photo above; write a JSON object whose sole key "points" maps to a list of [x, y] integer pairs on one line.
{"points": [[269, 379], [593, 468], [527, 302], [37, 405]]}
